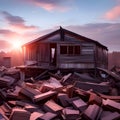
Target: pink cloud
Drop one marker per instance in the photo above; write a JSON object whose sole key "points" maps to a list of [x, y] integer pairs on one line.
{"points": [[50, 5], [17, 23], [113, 14]]}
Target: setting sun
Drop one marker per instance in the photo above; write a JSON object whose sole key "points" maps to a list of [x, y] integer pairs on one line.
{"points": [[17, 44]]}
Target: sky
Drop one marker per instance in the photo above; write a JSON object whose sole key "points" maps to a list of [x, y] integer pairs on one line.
{"points": [[26, 20]]}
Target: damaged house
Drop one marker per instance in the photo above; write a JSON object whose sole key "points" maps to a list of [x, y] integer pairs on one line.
{"points": [[65, 49]]}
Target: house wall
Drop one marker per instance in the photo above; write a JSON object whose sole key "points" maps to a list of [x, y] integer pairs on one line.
{"points": [[101, 57], [90, 55], [38, 53], [83, 60]]}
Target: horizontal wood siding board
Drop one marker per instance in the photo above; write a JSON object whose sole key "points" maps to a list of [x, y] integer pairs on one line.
{"points": [[76, 59], [73, 65]]}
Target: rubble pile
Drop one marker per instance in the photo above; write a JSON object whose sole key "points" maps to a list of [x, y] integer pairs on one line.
{"points": [[73, 96]]}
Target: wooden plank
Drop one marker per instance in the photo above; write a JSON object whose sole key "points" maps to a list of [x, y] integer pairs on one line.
{"points": [[62, 97], [95, 99], [51, 106], [48, 116], [29, 92], [71, 114], [36, 115], [86, 78], [110, 73], [79, 104], [94, 86], [111, 105], [43, 96], [91, 112], [111, 116], [19, 114], [115, 98]]}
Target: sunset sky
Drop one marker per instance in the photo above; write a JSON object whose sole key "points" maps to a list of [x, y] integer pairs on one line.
{"points": [[25, 20]]}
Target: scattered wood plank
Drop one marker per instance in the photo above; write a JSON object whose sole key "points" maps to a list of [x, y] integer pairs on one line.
{"points": [[111, 116], [48, 116], [94, 86], [36, 115], [86, 78], [51, 106], [29, 92], [95, 99], [79, 104], [71, 114], [19, 114], [91, 112], [43, 96], [111, 105]]}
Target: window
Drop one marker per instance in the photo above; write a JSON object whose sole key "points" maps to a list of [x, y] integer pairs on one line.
{"points": [[70, 50], [77, 50], [63, 49]]}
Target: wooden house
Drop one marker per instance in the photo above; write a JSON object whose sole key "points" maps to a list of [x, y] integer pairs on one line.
{"points": [[65, 49]]}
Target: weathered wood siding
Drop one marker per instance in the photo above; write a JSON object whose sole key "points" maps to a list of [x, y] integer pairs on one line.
{"points": [[39, 53], [83, 60], [101, 57]]}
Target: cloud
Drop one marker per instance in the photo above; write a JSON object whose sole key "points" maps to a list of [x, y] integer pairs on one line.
{"points": [[106, 33], [59, 5], [8, 34], [17, 23], [5, 45], [113, 14]]}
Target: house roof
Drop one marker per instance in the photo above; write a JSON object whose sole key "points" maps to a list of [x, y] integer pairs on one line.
{"points": [[63, 31]]}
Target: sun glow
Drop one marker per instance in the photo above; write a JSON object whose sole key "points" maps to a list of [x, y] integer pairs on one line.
{"points": [[17, 44]]}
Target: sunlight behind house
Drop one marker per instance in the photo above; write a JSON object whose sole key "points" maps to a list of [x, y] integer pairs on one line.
{"points": [[17, 44]]}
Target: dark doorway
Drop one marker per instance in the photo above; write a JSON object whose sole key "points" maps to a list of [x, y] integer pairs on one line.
{"points": [[53, 52]]}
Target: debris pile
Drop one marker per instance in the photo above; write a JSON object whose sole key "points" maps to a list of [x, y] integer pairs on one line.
{"points": [[74, 96]]}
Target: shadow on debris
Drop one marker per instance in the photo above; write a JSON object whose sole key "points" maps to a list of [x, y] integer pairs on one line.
{"points": [[54, 95]]}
